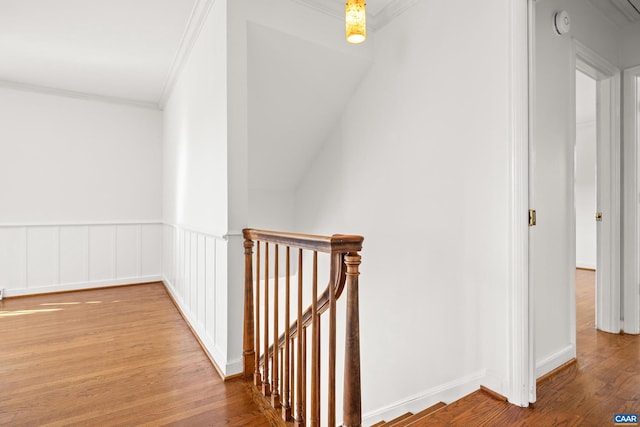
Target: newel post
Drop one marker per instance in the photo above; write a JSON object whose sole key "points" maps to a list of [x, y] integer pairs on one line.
{"points": [[352, 411], [248, 354]]}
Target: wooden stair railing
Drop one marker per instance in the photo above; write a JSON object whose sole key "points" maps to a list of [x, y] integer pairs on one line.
{"points": [[277, 361]]}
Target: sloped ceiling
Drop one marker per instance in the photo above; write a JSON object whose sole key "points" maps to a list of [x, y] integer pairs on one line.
{"points": [[297, 91], [121, 49]]}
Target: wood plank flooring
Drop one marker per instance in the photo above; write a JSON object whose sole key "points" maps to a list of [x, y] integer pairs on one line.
{"points": [[113, 357], [605, 380]]}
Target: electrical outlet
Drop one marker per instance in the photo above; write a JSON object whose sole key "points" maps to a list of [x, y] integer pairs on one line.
{"points": [[1, 294]]}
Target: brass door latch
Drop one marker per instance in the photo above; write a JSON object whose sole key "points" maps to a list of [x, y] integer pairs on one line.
{"points": [[532, 217], [598, 216]]}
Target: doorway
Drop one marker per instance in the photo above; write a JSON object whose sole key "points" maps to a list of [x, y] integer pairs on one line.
{"points": [[606, 82], [552, 191], [585, 172]]}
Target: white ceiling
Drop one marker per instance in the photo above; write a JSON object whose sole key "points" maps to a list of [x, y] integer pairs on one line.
{"points": [[122, 49], [620, 12]]}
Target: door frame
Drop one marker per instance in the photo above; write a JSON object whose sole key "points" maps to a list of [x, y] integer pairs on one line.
{"points": [[521, 389], [522, 379], [608, 287], [631, 251]]}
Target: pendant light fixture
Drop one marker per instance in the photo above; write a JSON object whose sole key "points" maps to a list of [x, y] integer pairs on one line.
{"points": [[356, 21]]}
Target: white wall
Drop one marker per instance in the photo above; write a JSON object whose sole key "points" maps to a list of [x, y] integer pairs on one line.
{"points": [[195, 135], [65, 160], [81, 198], [585, 185], [418, 164], [552, 255], [629, 52], [200, 251]]}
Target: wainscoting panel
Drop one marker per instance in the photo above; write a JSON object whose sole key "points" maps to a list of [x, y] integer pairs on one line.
{"points": [[43, 254], [13, 258], [210, 291], [127, 250], [38, 258], [102, 252], [150, 249], [74, 254], [189, 272]]}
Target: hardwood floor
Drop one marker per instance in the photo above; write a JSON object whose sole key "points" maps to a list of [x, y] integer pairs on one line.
{"points": [[112, 357], [125, 357], [604, 381]]}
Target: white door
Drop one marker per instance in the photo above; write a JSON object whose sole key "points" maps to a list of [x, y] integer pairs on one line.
{"points": [[607, 216], [631, 235]]}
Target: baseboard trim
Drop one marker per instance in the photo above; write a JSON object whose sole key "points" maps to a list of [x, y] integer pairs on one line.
{"points": [[167, 288], [227, 369], [447, 393], [556, 370], [82, 286], [555, 360], [493, 394]]}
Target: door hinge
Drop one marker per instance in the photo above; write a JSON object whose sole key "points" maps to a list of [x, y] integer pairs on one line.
{"points": [[598, 216], [532, 217]]}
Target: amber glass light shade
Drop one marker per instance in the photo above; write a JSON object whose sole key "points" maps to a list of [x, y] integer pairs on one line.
{"points": [[356, 21]]}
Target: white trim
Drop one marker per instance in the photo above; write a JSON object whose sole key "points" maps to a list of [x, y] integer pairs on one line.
{"points": [[608, 303], [520, 356], [631, 249], [53, 282], [335, 11], [446, 393], [76, 224], [391, 12], [27, 87], [190, 36], [82, 286], [555, 360], [587, 123], [195, 230], [228, 367]]}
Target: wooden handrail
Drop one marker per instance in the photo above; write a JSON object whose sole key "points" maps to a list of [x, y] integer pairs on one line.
{"points": [[287, 386]]}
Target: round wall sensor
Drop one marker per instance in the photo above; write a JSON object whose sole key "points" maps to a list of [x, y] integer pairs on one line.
{"points": [[562, 23]]}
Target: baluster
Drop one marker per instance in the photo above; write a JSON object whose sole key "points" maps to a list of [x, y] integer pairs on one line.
{"points": [[248, 355], [336, 261], [275, 396], [314, 419], [292, 377], [304, 373], [286, 401], [257, 379], [265, 380], [352, 403], [280, 371], [299, 343]]}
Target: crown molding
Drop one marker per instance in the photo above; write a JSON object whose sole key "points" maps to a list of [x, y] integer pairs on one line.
{"points": [[336, 11], [629, 8], [199, 13], [27, 87], [374, 21], [392, 11]]}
